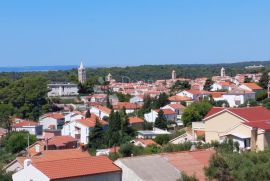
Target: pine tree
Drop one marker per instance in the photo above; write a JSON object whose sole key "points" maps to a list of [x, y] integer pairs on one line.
{"points": [[264, 80], [87, 114], [96, 136], [113, 134], [207, 85], [160, 121]]}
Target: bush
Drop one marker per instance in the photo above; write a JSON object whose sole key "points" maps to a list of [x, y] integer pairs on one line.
{"points": [[162, 139], [18, 141]]}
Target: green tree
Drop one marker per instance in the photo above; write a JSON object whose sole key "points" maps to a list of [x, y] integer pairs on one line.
{"points": [[87, 114], [113, 133], [28, 96], [97, 137], [179, 86], [6, 111], [18, 141], [160, 121], [162, 139], [195, 112], [264, 80], [208, 84], [161, 101]]}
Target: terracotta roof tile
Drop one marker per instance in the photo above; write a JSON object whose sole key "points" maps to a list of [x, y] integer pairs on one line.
{"points": [[179, 98], [75, 167], [127, 105], [134, 120], [253, 86], [25, 123], [258, 113], [91, 122]]}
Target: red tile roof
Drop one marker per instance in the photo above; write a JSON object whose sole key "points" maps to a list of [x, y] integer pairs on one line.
{"points": [[61, 140], [91, 122], [68, 168], [192, 91], [177, 106], [104, 109], [224, 83], [55, 115], [168, 111], [217, 94], [147, 142], [52, 155], [127, 105], [24, 123], [190, 162], [179, 98], [265, 125], [253, 86], [134, 120], [258, 113]]}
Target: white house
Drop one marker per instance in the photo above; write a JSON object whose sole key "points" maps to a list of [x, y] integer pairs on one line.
{"points": [[169, 115], [62, 89], [221, 86], [138, 99], [52, 120], [130, 107], [69, 169], [250, 87], [32, 127], [72, 116], [178, 108], [194, 94], [237, 97], [80, 129], [100, 111], [151, 134]]}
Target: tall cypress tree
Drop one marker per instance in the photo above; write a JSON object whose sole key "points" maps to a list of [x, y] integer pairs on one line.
{"points": [[160, 121], [96, 136]]}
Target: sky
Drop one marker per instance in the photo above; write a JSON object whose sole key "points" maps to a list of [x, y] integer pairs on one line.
{"points": [[122, 32]]}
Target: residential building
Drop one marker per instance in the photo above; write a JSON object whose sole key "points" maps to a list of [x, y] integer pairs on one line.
{"points": [[72, 116], [194, 94], [62, 89], [151, 134], [169, 115], [137, 99], [252, 87], [100, 111], [91, 168], [166, 166], [144, 142], [130, 107], [53, 120], [80, 129], [248, 126], [31, 126], [136, 122]]}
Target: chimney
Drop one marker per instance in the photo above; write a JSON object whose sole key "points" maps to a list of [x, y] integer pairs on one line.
{"points": [[46, 143], [253, 140], [27, 163]]}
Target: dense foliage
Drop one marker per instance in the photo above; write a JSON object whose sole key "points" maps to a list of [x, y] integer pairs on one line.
{"points": [[18, 141], [27, 97], [195, 112]]}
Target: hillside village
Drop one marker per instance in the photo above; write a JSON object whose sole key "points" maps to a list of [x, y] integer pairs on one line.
{"points": [[162, 130]]}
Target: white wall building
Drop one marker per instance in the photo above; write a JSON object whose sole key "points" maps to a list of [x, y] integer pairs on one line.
{"points": [[62, 89], [52, 121]]}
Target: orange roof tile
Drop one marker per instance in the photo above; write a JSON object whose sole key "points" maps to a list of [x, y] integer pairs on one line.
{"points": [[61, 140], [75, 167], [177, 106], [127, 105], [134, 120], [25, 123], [217, 94], [179, 98], [91, 122], [253, 86], [147, 142], [104, 109]]}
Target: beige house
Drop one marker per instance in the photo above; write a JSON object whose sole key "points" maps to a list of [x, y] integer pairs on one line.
{"points": [[249, 126]]}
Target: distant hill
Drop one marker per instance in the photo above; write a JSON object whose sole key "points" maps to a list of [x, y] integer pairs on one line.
{"points": [[37, 68], [132, 73]]}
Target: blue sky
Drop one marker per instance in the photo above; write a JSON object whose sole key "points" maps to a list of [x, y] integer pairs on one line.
{"points": [[62, 32]]}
